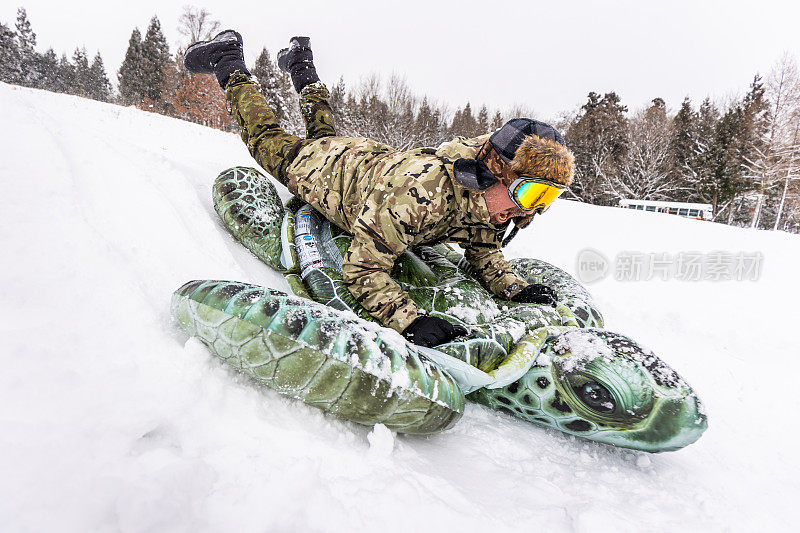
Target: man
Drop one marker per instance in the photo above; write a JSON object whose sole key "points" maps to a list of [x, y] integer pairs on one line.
{"points": [[466, 191]]}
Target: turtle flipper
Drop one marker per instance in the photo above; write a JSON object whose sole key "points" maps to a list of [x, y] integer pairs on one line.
{"points": [[250, 208]]}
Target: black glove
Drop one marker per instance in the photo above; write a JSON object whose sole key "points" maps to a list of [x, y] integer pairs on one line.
{"points": [[429, 331], [536, 294]]}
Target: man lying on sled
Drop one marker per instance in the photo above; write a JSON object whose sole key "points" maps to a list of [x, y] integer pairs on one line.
{"points": [[466, 191]]}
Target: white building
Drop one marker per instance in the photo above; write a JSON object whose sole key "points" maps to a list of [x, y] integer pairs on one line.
{"points": [[684, 209]]}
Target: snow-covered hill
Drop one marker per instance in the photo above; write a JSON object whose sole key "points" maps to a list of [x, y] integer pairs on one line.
{"points": [[112, 421]]}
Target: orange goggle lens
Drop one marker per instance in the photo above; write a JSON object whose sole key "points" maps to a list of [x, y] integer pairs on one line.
{"points": [[534, 195]]}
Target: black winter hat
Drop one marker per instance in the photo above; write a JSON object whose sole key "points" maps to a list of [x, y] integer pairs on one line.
{"points": [[529, 147], [507, 139], [533, 148]]}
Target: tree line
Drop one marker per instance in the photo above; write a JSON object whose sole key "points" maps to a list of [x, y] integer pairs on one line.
{"points": [[742, 157], [21, 64]]}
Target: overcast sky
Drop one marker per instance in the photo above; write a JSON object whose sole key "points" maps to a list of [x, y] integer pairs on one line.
{"points": [[543, 55]]}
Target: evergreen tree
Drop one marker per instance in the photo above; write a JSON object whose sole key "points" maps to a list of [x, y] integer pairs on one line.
{"points": [[339, 103], [455, 125], [400, 131], [173, 75], [293, 121], [756, 106], [272, 84], [683, 140], [599, 139], [26, 39], [155, 58], [464, 123], [66, 75], [692, 145], [738, 138], [80, 80], [131, 85], [99, 88], [482, 125], [50, 72], [727, 182], [25, 34], [427, 125], [441, 128], [497, 122], [703, 164], [756, 147], [338, 98], [10, 60], [470, 125]]}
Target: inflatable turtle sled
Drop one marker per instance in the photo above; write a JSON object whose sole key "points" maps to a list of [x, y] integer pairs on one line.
{"points": [[555, 367]]}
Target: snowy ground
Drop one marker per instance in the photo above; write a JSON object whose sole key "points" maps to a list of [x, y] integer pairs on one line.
{"points": [[111, 421]]}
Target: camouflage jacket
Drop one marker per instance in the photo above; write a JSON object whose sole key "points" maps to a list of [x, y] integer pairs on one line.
{"points": [[390, 200]]}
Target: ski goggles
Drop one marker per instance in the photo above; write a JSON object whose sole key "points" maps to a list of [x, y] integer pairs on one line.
{"points": [[534, 194]]}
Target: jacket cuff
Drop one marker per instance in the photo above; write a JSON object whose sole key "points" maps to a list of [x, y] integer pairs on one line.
{"points": [[403, 317], [512, 289], [237, 78]]}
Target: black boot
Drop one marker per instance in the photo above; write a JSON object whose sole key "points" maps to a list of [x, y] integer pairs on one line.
{"points": [[298, 61], [221, 56]]}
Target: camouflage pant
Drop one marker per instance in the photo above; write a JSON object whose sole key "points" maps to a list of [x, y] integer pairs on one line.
{"points": [[271, 146]]}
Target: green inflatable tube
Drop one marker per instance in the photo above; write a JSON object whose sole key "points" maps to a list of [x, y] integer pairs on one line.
{"points": [[554, 367], [308, 351]]}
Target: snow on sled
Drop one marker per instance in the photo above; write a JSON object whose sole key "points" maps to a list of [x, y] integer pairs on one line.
{"points": [[554, 367]]}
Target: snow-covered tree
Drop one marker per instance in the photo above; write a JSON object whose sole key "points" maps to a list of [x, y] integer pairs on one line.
{"points": [[396, 125], [732, 187], [694, 151], [155, 57], [684, 141], [171, 79], [774, 154], [464, 123], [787, 214], [599, 138], [271, 84], [339, 106], [428, 127], [66, 74], [482, 122], [29, 60], [645, 172], [756, 150], [10, 60], [80, 81], [738, 139], [99, 87], [48, 66], [497, 121], [277, 88], [130, 76]]}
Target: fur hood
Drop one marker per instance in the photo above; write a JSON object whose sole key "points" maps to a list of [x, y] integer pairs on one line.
{"points": [[544, 158]]}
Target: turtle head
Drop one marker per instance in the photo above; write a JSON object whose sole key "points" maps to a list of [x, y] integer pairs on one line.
{"points": [[624, 394]]}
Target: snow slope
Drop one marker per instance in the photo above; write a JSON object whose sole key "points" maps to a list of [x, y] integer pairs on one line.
{"points": [[112, 421]]}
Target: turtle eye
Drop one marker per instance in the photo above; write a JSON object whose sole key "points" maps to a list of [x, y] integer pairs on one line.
{"points": [[596, 396]]}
